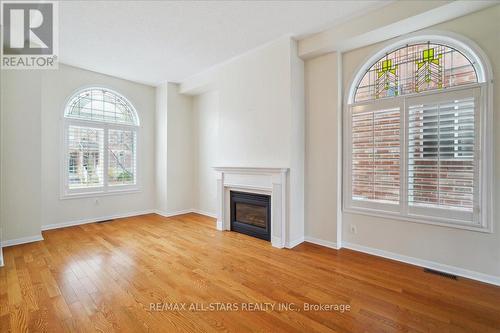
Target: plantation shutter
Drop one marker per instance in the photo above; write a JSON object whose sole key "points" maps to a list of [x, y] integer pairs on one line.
{"points": [[121, 157], [85, 157], [442, 167], [376, 153]]}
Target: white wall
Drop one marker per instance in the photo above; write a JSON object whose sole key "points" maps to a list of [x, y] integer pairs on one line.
{"points": [[255, 108], [206, 129], [174, 150], [260, 116], [161, 147], [1, 221], [180, 155], [21, 196], [321, 149], [297, 145]]}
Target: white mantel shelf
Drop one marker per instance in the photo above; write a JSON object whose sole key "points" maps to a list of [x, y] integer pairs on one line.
{"points": [[261, 180]]}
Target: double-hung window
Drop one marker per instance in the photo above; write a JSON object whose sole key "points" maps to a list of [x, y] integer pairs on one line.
{"points": [[100, 135], [415, 138]]}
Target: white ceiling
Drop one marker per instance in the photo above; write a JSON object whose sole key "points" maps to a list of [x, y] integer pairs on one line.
{"points": [[158, 41]]}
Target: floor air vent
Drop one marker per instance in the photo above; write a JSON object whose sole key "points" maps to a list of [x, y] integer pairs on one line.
{"points": [[443, 274], [105, 221]]}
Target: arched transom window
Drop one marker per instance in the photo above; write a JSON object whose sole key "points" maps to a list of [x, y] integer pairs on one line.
{"points": [[101, 143], [415, 68], [416, 136]]}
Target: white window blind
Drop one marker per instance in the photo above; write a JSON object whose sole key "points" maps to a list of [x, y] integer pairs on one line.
{"points": [[442, 154], [85, 157], [376, 154], [417, 157], [121, 157]]}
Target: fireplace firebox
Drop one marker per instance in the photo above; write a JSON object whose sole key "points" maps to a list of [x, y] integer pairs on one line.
{"points": [[251, 214]]}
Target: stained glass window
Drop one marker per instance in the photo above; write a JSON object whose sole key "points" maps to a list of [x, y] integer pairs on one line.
{"points": [[413, 69]]}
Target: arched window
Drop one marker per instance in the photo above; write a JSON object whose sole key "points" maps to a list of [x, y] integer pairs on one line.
{"points": [[417, 135], [101, 143], [416, 68]]}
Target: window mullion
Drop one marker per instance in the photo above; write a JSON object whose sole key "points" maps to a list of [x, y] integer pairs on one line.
{"points": [[439, 154], [373, 155], [105, 157], [66, 156], [478, 165], [403, 181]]}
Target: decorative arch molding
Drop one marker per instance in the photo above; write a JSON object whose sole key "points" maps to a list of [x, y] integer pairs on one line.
{"points": [[458, 42]]}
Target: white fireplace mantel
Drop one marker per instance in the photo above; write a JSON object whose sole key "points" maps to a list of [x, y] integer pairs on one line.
{"points": [[270, 181]]}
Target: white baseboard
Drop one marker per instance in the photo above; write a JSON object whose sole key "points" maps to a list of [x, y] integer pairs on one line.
{"points": [[219, 225], [1, 256], [276, 242], [117, 216], [22, 240], [293, 243], [30, 239], [321, 242], [185, 211], [172, 213], [94, 219], [203, 212], [425, 263]]}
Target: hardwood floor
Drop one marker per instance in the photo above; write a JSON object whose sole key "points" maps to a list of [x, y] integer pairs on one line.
{"points": [[108, 276]]}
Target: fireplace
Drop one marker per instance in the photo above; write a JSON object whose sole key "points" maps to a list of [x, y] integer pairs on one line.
{"points": [[251, 214], [271, 182]]}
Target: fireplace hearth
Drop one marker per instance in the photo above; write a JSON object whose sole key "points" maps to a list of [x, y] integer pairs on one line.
{"points": [[251, 214]]}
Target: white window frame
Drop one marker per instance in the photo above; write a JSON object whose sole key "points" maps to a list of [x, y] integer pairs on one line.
{"points": [[105, 189], [483, 214]]}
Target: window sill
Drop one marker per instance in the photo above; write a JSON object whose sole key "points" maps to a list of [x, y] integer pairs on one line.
{"points": [[442, 222], [81, 195]]}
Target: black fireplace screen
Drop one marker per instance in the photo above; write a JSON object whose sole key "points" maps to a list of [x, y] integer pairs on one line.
{"points": [[251, 214]]}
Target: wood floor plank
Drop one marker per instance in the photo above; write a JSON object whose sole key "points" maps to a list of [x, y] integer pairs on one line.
{"points": [[116, 276]]}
